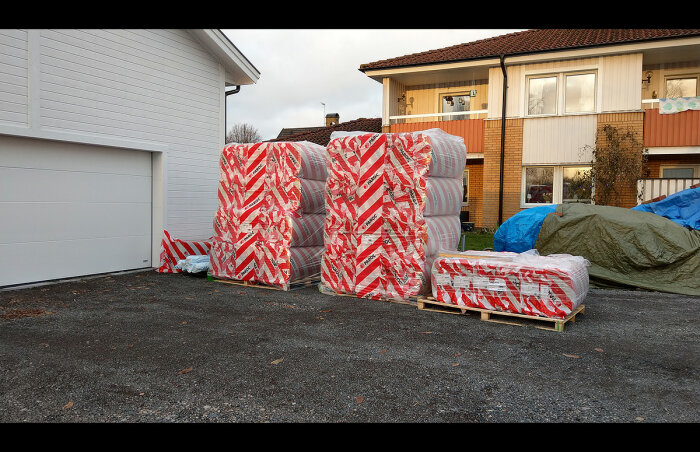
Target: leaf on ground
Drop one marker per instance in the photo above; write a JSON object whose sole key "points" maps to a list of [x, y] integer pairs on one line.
{"points": [[277, 361], [382, 351], [359, 399], [329, 310], [184, 323], [598, 349], [455, 364], [185, 371], [68, 405], [426, 332], [571, 356]]}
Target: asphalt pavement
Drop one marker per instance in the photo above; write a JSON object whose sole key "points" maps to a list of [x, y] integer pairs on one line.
{"points": [[147, 347]]}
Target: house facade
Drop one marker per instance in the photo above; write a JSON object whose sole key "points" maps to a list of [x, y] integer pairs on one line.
{"points": [[107, 138], [562, 87]]}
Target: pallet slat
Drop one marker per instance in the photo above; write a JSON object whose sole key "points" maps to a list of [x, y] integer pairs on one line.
{"points": [[309, 281], [487, 315]]}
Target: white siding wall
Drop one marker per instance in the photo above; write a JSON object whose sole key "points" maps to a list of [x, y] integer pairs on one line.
{"points": [[622, 83], [619, 82], [156, 90], [558, 140], [13, 77]]}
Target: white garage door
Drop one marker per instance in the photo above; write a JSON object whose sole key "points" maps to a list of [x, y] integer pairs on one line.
{"points": [[71, 210]]}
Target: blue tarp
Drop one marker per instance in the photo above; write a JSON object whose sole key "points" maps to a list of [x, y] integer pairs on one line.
{"points": [[519, 233], [682, 208]]}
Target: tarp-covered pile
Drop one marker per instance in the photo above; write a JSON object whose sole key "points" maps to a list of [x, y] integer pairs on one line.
{"points": [[522, 283], [269, 224], [625, 247], [682, 207], [393, 202]]}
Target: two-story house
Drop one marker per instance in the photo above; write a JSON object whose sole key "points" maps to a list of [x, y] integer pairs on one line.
{"points": [[562, 87]]}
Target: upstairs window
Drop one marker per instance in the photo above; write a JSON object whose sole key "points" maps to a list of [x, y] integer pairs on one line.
{"points": [[580, 93], [542, 96], [681, 86], [561, 93]]}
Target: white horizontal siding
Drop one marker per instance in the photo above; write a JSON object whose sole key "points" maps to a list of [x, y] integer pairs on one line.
{"points": [[158, 90], [558, 139], [144, 86], [13, 77]]}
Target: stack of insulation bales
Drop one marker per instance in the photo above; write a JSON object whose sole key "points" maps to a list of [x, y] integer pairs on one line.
{"points": [[550, 286], [393, 202], [269, 225]]}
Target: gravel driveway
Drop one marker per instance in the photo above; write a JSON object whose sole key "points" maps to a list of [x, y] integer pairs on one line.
{"points": [[149, 347]]}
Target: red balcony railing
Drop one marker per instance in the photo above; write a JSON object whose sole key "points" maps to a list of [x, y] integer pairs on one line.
{"points": [[472, 130], [677, 129]]}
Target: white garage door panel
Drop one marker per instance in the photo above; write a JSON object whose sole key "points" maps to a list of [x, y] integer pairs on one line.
{"points": [[39, 261], [72, 209], [27, 222], [73, 186]]}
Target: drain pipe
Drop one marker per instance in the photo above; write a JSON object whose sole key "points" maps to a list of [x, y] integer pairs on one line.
{"points": [[503, 138], [226, 94]]}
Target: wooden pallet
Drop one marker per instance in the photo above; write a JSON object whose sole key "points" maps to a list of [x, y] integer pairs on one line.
{"points": [[310, 281], [430, 304], [413, 301]]}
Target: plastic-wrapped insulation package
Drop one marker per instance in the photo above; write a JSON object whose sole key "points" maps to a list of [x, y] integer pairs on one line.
{"points": [[269, 224], [174, 250], [523, 283], [195, 263], [393, 202]]}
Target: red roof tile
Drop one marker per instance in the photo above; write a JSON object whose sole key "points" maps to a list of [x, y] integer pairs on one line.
{"points": [[531, 41]]}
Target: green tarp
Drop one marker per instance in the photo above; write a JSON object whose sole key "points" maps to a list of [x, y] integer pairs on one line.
{"points": [[625, 247]]}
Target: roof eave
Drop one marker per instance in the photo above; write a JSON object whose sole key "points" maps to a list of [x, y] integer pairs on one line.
{"points": [[239, 70], [534, 56]]}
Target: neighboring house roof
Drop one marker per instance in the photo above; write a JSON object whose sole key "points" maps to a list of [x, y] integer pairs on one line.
{"points": [[530, 41], [322, 135], [287, 132]]}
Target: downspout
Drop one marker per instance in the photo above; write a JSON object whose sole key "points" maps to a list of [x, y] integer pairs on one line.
{"points": [[226, 94], [503, 138]]}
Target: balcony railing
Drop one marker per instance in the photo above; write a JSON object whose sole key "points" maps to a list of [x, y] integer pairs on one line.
{"points": [[669, 130], [651, 188], [472, 130]]}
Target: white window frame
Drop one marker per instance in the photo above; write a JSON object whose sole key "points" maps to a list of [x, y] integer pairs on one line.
{"points": [[560, 107], [526, 107], [557, 184], [696, 169], [595, 92]]}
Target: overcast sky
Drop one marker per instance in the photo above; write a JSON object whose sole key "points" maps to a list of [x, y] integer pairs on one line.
{"points": [[301, 69]]}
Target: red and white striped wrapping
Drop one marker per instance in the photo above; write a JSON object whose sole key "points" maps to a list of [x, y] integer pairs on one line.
{"points": [[271, 201], [547, 286], [377, 192], [173, 250]]}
